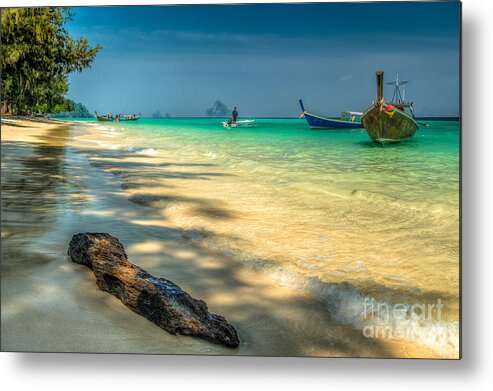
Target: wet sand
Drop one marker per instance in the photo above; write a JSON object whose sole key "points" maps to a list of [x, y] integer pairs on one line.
{"points": [[52, 188]]}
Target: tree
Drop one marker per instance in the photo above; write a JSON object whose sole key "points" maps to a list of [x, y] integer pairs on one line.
{"points": [[38, 54]]}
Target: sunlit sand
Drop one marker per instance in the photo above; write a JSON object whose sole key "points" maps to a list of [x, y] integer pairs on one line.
{"points": [[262, 258]]}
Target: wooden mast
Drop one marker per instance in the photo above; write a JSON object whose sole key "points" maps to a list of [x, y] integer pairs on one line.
{"points": [[379, 75], [379, 86]]}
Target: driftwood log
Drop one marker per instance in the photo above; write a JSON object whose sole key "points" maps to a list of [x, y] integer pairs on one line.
{"points": [[159, 300]]}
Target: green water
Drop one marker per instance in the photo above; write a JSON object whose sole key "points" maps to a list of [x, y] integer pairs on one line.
{"points": [[422, 172], [326, 211]]}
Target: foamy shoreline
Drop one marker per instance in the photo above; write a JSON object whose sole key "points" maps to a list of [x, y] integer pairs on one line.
{"points": [[273, 311]]}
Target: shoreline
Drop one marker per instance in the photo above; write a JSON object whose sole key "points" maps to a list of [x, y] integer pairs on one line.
{"points": [[27, 129], [273, 311]]}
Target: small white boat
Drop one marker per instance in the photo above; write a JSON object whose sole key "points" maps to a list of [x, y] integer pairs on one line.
{"points": [[246, 123]]}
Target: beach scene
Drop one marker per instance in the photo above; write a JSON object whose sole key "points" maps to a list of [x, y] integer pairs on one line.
{"points": [[267, 184]]}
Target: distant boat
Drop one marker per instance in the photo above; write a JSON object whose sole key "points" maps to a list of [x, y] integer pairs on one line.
{"points": [[133, 117], [247, 123], [388, 122], [347, 120], [105, 118]]}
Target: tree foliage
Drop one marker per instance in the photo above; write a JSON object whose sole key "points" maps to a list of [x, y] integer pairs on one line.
{"points": [[38, 54]]}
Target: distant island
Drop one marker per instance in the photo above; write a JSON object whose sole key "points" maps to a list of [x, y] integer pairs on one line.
{"points": [[157, 114], [218, 109], [78, 111]]}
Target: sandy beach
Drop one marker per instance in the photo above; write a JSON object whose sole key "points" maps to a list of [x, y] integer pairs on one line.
{"points": [[61, 178]]}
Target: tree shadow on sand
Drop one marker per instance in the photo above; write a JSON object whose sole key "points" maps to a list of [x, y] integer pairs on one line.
{"points": [[40, 184]]}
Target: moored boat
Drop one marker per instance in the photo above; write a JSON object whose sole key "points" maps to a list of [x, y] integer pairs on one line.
{"points": [[133, 117], [347, 120], [247, 123], [388, 122], [105, 118]]}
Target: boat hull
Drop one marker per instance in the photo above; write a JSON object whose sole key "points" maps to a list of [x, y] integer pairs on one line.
{"points": [[240, 124], [128, 118], [103, 119], [384, 126], [318, 122]]}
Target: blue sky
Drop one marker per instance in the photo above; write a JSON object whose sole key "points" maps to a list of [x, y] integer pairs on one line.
{"points": [[264, 57]]}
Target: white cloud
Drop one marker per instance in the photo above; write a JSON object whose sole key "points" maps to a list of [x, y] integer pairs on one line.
{"points": [[347, 77]]}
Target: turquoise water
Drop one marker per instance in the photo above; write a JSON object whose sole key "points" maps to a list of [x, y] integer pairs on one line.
{"points": [[326, 211], [421, 172]]}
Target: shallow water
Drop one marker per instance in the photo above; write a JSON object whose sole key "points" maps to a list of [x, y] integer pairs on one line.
{"points": [[327, 214]]}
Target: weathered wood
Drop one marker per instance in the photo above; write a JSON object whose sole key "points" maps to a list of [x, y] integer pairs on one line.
{"points": [[159, 300], [385, 124], [379, 75], [384, 127]]}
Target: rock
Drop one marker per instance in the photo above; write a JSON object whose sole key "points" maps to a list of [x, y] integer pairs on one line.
{"points": [[159, 300], [218, 109]]}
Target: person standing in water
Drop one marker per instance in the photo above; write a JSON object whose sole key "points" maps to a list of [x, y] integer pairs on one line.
{"points": [[234, 116]]}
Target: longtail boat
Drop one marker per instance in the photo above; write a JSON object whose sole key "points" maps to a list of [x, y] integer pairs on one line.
{"points": [[105, 118], [388, 122], [133, 117], [347, 120]]}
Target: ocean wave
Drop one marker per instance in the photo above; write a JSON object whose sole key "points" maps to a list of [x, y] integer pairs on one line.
{"points": [[375, 318]]}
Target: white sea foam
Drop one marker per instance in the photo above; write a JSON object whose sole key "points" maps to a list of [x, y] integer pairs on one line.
{"points": [[348, 306], [143, 151], [212, 155], [149, 151]]}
